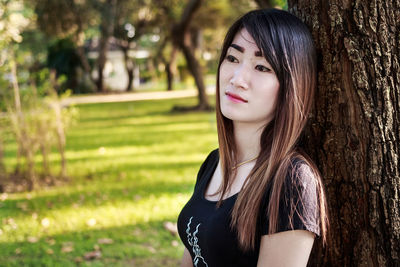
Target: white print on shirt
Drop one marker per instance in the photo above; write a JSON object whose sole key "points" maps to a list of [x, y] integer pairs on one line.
{"points": [[192, 240]]}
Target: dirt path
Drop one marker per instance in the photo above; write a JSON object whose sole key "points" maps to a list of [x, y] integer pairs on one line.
{"points": [[135, 96]]}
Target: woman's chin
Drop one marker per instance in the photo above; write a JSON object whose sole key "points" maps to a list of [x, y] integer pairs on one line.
{"points": [[229, 114]]}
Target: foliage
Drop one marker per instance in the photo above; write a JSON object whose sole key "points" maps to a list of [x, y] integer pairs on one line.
{"points": [[11, 25], [33, 109], [64, 18], [39, 126], [134, 166], [139, 24], [12, 22], [63, 58]]}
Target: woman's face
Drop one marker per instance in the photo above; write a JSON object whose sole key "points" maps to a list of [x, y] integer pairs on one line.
{"points": [[248, 86]]}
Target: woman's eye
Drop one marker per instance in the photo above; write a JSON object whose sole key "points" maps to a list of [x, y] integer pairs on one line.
{"points": [[262, 68], [231, 58]]}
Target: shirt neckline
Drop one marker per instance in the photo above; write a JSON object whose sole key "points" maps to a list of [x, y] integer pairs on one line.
{"points": [[207, 181]]}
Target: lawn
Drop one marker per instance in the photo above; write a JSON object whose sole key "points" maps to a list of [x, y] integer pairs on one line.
{"points": [[132, 167]]}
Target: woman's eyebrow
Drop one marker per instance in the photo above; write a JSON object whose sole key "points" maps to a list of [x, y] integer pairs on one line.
{"points": [[237, 47], [241, 49]]}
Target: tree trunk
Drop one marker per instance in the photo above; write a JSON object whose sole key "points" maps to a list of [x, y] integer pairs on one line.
{"points": [[354, 132], [129, 67], [170, 66], [182, 39], [101, 62], [79, 39], [129, 86], [195, 70], [171, 69], [106, 28]]}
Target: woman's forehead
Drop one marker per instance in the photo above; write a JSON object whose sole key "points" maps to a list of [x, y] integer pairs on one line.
{"points": [[245, 40]]}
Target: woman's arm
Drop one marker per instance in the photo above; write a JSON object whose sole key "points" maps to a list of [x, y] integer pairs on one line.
{"points": [[186, 259], [289, 248]]}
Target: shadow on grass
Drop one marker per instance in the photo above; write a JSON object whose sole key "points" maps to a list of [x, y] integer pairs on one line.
{"points": [[140, 124], [112, 191], [146, 244], [163, 107], [135, 115], [133, 138]]}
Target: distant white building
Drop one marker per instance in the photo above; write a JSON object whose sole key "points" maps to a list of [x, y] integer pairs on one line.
{"points": [[115, 76]]}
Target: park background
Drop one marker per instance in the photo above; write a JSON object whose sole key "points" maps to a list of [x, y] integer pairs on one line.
{"points": [[106, 113], [94, 169]]}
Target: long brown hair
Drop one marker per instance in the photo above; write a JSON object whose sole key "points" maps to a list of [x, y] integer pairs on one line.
{"points": [[287, 45]]}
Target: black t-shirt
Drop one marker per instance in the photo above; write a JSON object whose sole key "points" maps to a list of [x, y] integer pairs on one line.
{"points": [[205, 230]]}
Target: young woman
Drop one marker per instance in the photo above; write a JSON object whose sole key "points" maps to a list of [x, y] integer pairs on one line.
{"points": [[258, 199]]}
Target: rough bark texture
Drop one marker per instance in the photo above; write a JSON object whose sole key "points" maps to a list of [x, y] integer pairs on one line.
{"points": [[353, 134]]}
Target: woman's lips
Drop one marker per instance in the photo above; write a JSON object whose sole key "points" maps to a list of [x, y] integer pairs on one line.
{"points": [[235, 98]]}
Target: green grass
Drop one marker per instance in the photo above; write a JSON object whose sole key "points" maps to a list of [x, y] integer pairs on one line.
{"points": [[132, 167], [161, 84]]}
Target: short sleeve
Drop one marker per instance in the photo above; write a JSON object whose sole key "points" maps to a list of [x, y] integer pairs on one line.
{"points": [[299, 203]]}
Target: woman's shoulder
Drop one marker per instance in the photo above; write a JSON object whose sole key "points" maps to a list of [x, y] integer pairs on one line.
{"points": [[212, 157], [299, 206], [302, 173], [210, 161]]}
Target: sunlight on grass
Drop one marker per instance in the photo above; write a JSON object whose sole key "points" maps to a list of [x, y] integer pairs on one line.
{"points": [[132, 167], [101, 214]]}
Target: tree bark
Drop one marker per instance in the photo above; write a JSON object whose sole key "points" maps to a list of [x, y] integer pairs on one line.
{"points": [[354, 131], [79, 38], [170, 68], [182, 39], [129, 67], [195, 70]]}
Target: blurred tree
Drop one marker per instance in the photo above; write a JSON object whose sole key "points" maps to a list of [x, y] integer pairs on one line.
{"points": [[62, 56], [66, 18], [29, 117], [12, 23], [168, 61], [180, 37], [354, 132], [134, 19], [107, 9], [184, 28], [166, 52]]}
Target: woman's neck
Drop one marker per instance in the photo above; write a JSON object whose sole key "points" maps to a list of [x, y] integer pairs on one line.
{"points": [[247, 138]]}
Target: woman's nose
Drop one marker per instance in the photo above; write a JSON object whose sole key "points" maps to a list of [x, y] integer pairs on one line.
{"points": [[240, 77]]}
